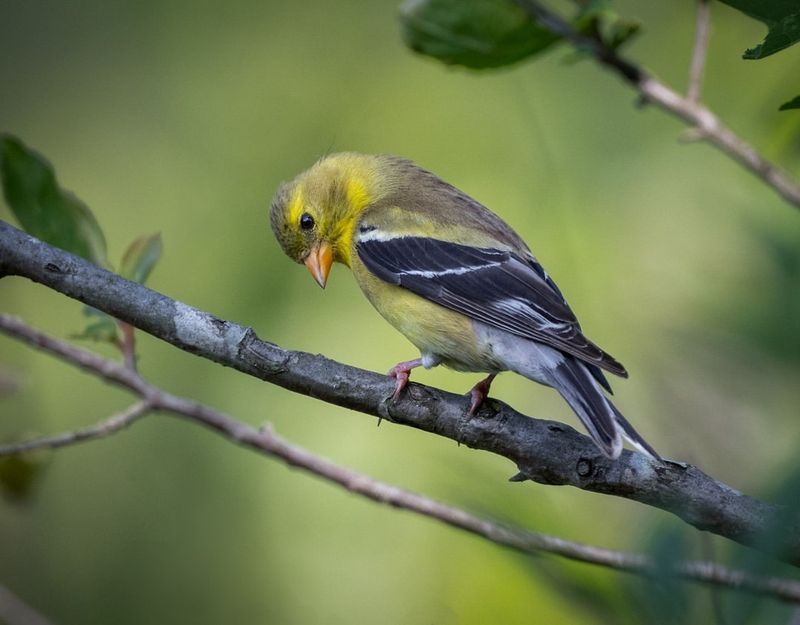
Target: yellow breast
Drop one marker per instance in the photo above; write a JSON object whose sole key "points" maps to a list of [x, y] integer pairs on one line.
{"points": [[432, 328]]}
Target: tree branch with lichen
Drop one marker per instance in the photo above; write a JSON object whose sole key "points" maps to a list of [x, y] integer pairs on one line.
{"points": [[270, 444], [543, 451]]}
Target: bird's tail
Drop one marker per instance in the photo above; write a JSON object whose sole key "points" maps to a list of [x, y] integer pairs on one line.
{"points": [[605, 423]]}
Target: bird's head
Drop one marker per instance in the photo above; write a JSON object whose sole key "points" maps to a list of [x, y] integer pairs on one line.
{"points": [[314, 216]]}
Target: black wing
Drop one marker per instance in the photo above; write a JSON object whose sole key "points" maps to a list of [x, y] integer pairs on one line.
{"points": [[496, 287]]}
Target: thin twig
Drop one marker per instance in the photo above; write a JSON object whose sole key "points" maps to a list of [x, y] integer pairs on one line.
{"points": [[269, 443], [14, 611], [543, 451], [702, 30], [128, 344], [106, 427], [706, 123]]}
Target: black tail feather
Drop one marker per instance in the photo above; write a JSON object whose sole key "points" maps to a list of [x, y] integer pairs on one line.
{"points": [[632, 435], [579, 385], [597, 374]]}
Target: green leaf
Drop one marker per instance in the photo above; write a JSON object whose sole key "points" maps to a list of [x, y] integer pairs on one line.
{"points": [[20, 474], [620, 32], [478, 34], [791, 104], [104, 330], [598, 18], [140, 258], [44, 209], [782, 18]]}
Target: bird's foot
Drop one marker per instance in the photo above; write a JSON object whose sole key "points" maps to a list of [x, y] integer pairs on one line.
{"points": [[479, 393], [402, 373]]}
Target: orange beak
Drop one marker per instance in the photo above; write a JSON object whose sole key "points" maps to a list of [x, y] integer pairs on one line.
{"points": [[319, 262]]}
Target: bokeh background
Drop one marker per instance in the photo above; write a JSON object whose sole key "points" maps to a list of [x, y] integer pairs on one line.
{"points": [[182, 118]]}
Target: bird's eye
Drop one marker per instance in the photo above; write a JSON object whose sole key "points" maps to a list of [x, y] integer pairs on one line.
{"points": [[306, 221]]}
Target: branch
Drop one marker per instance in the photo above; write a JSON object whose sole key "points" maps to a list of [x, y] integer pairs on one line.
{"points": [[704, 123], [544, 451], [702, 29], [268, 443], [107, 427]]}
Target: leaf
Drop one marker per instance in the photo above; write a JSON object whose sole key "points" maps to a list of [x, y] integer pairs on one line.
{"points": [[782, 18], [20, 474], [621, 31], [478, 34], [105, 329], [137, 263], [791, 104], [598, 18], [44, 209], [140, 258]]}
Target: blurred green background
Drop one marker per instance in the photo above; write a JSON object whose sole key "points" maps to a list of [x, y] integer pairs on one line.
{"points": [[182, 118]]}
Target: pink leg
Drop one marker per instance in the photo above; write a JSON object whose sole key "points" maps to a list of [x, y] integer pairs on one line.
{"points": [[401, 372], [478, 393]]}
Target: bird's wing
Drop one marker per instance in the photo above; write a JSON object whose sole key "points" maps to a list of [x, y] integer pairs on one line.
{"points": [[495, 286]]}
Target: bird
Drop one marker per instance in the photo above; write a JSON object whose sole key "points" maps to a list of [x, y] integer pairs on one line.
{"points": [[451, 276]]}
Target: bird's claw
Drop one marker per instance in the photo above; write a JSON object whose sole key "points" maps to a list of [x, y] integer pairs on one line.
{"points": [[476, 399], [478, 394], [402, 373], [402, 376]]}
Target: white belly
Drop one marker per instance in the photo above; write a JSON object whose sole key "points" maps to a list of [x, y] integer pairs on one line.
{"points": [[536, 361]]}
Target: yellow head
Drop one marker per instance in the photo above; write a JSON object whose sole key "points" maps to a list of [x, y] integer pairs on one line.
{"points": [[314, 216]]}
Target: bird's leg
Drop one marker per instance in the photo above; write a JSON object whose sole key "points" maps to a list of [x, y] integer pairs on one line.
{"points": [[478, 393], [401, 372]]}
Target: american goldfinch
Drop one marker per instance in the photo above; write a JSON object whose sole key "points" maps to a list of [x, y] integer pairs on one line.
{"points": [[450, 275]]}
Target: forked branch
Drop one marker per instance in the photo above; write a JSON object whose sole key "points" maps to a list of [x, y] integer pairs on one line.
{"points": [[704, 123], [543, 451], [265, 441]]}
